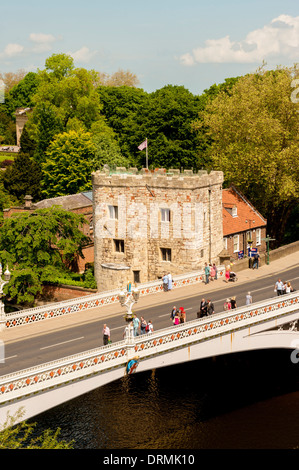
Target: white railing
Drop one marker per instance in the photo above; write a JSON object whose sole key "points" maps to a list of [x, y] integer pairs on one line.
{"points": [[57, 309], [116, 355]]}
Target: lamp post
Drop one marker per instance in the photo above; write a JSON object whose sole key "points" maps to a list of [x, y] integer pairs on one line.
{"points": [[268, 240], [2, 284]]}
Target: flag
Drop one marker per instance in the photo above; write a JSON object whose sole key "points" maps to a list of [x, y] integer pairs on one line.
{"points": [[143, 145]]}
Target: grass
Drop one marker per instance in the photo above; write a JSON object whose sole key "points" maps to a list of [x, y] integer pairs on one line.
{"points": [[7, 156]]}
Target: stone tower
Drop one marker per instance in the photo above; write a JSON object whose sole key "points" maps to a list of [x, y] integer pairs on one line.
{"points": [[147, 223], [22, 116]]}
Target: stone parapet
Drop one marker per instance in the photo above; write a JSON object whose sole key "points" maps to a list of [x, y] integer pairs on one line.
{"points": [[169, 179]]}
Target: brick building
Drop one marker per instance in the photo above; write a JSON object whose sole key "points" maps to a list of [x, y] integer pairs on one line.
{"points": [[243, 225], [150, 222]]}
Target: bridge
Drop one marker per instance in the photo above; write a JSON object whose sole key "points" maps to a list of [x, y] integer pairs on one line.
{"points": [[263, 325]]}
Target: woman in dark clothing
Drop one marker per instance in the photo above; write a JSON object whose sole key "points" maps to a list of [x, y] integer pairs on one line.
{"points": [[233, 302]]}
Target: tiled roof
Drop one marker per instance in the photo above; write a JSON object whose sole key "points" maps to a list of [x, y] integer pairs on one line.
{"points": [[73, 201], [248, 218]]}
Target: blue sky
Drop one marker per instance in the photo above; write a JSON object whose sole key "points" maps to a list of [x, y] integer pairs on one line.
{"points": [[194, 43]]}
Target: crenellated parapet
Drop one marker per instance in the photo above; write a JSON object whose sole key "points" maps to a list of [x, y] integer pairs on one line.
{"points": [[172, 178]]}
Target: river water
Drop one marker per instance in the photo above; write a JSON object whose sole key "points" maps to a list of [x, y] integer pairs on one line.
{"points": [[240, 401]]}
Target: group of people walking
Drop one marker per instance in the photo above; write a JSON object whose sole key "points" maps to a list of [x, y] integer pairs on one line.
{"points": [[167, 282], [138, 326], [230, 303], [178, 316], [206, 308], [283, 287], [210, 272]]}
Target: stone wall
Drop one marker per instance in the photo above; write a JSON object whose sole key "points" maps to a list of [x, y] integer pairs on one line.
{"points": [[140, 239]]}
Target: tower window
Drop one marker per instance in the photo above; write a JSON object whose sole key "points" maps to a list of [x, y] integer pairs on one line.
{"points": [[119, 246], [166, 254]]}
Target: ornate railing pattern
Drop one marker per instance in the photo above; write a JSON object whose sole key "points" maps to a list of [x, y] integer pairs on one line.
{"points": [[66, 307], [117, 355]]}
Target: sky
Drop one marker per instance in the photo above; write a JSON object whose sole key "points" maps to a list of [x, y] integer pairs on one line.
{"points": [[193, 43]]}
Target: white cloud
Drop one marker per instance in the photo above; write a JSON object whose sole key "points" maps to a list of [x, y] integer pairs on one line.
{"points": [[279, 39], [43, 42], [82, 55], [12, 50]]}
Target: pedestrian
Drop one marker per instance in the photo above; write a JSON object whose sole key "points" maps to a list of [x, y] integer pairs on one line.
{"points": [[289, 288], [256, 259], [176, 319], [207, 273], [278, 287], [149, 327], [169, 281], [182, 315], [227, 304], [212, 272], [210, 308], [142, 326], [172, 314], [106, 334], [136, 325], [216, 271], [248, 298], [233, 302], [165, 282], [227, 271], [202, 309]]}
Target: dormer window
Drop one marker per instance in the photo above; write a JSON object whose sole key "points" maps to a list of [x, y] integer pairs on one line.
{"points": [[234, 211]]}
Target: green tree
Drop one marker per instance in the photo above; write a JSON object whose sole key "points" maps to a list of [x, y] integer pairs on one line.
{"points": [[39, 246], [167, 124], [23, 436], [60, 65], [255, 142], [69, 164], [21, 94], [69, 91], [164, 117], [47, 126], [123, 108], [107, 149], [23, 177]]}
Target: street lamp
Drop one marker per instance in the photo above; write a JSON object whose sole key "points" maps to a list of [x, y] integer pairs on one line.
{"points": [[268, 240], [2, 284], [128, 302]]}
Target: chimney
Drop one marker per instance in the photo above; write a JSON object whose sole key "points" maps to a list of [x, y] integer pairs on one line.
{"points": [[28, 202]]}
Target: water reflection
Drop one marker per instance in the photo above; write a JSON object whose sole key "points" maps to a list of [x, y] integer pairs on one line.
{"points": [[228, 402]]}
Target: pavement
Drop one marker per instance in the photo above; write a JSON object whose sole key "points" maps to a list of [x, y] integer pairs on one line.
{"points": [[199, 289]]}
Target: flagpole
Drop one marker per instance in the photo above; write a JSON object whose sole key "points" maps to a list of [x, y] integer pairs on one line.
{"points": [[146, 156]]}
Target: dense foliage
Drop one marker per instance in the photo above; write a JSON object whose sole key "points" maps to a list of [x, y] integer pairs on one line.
{"points": [[255, 142], [24, 436], [40, 246]]}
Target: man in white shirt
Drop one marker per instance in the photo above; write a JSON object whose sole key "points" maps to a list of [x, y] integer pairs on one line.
{"points": [[279, 287]]}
